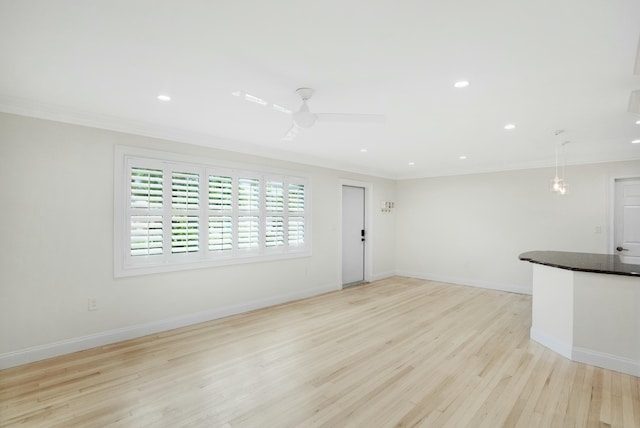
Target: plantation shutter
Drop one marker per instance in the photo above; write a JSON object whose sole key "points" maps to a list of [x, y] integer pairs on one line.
{"points": [[185, 236], [248, 209], [274, 233], [185, 219], [296, 208], [220, 193], [220, 233], [296, 197], [296, 231], [274, 196], [174, 215], [146, 188], [145, 207], [185, 190], [274, 205], [248, 232], [248, 194]]}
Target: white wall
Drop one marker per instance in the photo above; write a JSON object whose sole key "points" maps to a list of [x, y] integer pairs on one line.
{"points": [[57, 238], [57, 246], [471, 229]]}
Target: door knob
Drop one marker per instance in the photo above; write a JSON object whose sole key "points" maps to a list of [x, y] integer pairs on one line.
{"points": [[622, 249]]}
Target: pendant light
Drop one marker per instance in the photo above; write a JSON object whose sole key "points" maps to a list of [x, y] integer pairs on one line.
{"points": [[558, 185]]}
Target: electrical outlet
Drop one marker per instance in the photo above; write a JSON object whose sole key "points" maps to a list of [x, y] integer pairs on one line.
{"points": [[93, 304]]}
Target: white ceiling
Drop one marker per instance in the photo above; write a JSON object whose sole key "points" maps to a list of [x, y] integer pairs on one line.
{"points": [[540, 64]]}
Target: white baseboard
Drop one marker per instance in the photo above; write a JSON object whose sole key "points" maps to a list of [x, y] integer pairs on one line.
{"points": [[607, 361], [562, 348], [382, 275], [588, 356], [42, 352], [469, 282]]}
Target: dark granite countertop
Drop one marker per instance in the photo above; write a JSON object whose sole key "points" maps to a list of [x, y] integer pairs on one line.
{"points": [[584, 262]]}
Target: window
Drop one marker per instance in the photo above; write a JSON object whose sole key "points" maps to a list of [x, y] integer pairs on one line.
{"points": [[177, 215]]}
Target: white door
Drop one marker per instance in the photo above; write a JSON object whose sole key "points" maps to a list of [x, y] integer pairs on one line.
{"points": [[627, 220], [353, 234]]}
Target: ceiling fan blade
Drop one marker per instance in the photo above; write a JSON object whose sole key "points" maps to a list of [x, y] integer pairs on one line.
{"points": [[634, 102], [636, 69], [348, 117], [291, 133]]}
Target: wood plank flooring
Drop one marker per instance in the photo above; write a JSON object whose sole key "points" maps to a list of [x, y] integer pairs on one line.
{"points": [[397, 352]]}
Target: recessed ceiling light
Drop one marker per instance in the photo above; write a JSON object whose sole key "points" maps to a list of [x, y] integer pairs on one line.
{"points": [[461, 84], [363, 150], [635, 142], [412, 163], [463, 157], [163, 97], [509, 126]]}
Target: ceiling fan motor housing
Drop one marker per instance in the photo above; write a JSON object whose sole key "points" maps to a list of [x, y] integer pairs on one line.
{"points": [[303, 117], [304, 93]]}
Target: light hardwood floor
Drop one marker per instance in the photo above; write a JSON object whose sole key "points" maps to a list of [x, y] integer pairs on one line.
{"points": [[397, 352]]}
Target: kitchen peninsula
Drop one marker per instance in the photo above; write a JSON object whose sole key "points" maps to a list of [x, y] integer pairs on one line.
{"points": [[586, 307]]}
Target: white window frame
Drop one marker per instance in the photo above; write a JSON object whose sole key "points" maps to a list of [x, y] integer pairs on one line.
{"points": [[127, 265]]}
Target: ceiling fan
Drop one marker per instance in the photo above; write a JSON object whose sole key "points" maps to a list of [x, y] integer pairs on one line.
{"points": [[304, 118]]}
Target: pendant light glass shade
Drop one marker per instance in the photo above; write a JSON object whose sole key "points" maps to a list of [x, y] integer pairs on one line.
{"points": [[558, 185]]}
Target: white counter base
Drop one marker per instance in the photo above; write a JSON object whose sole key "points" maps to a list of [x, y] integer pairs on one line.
{"points": [[588, 317]]}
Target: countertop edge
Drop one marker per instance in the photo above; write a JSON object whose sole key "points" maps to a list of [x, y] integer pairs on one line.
{"points": [[581, 262]]}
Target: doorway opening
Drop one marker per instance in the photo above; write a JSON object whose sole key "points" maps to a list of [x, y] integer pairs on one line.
{"points": [[355, 234], [625, 236]]}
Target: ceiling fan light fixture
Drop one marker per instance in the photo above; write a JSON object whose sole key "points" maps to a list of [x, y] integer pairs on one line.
{"points": [[304, 118]]}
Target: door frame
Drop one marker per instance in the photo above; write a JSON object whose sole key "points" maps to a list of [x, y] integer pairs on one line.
{"points": [[368, 226], [611, 238]]}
